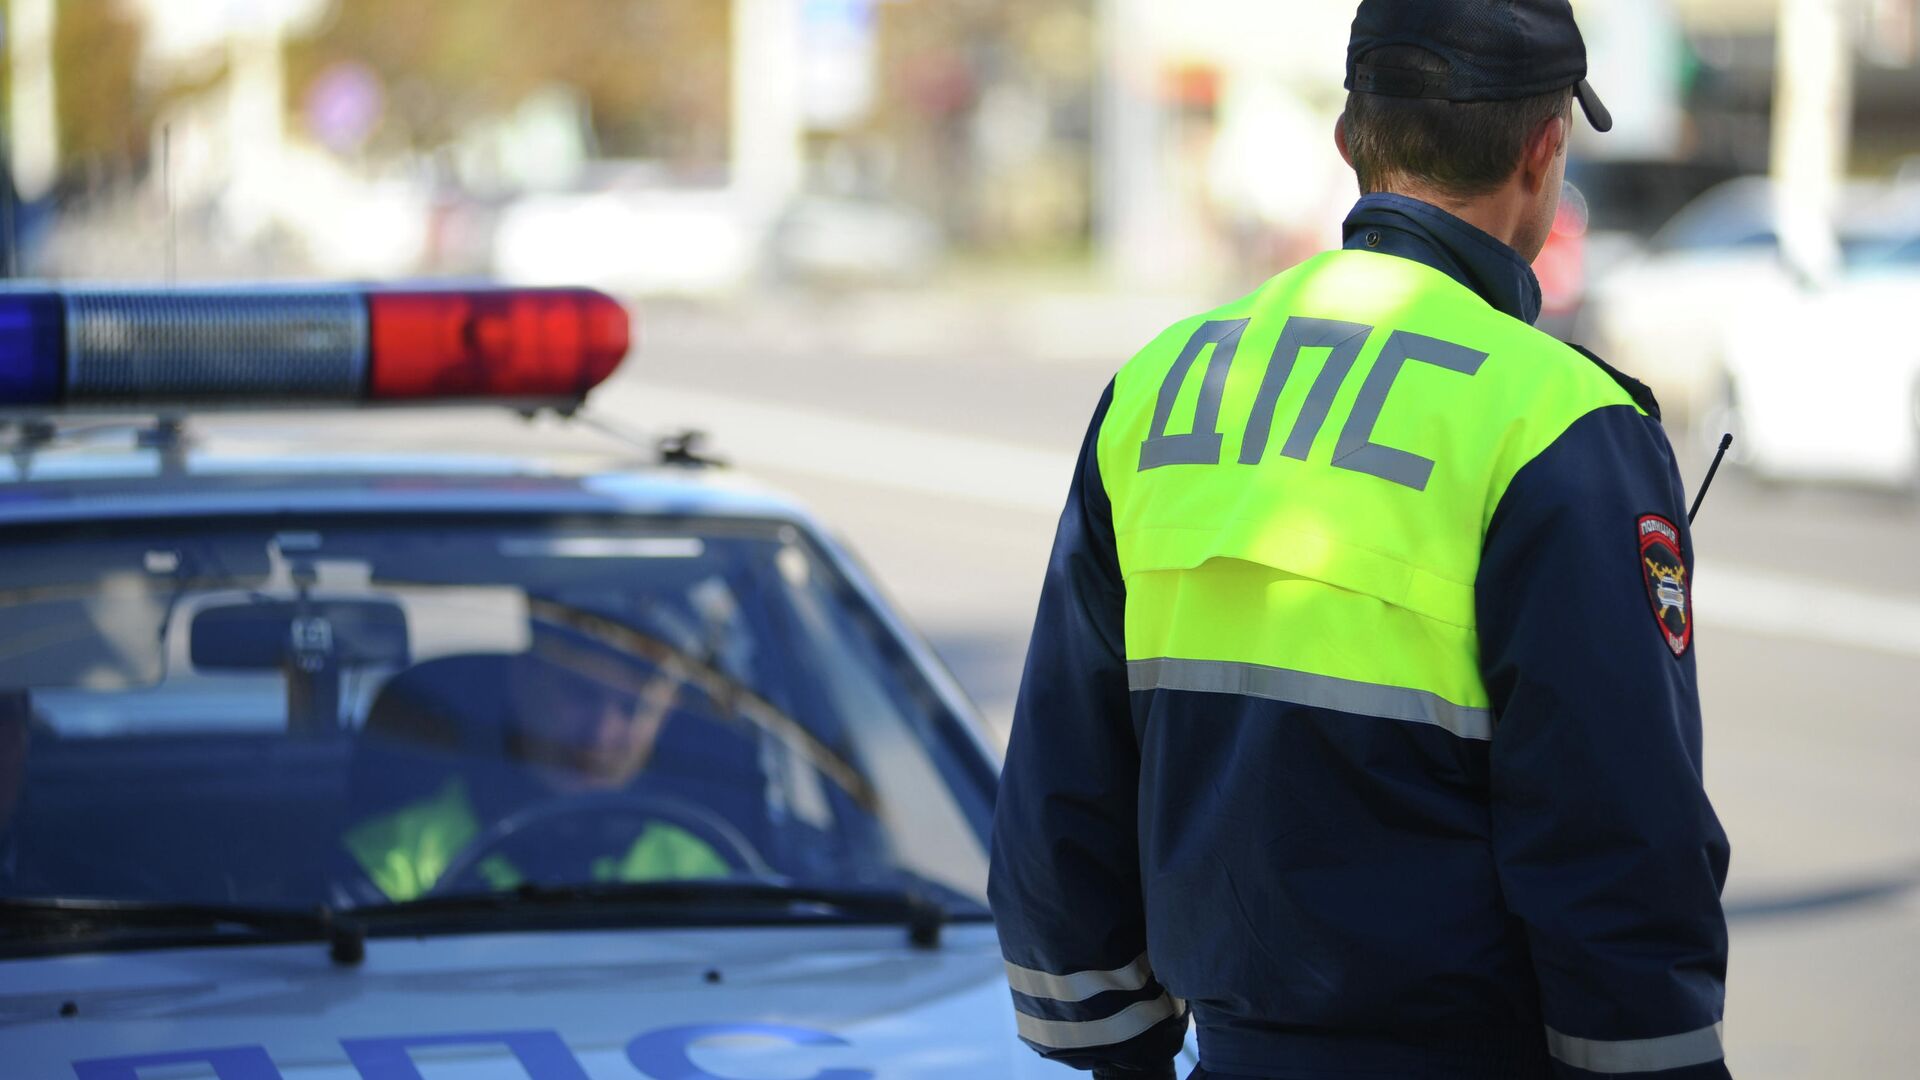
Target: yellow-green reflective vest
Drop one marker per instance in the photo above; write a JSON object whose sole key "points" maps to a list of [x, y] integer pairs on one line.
{"points": [[406, 852], [1302, 480]]}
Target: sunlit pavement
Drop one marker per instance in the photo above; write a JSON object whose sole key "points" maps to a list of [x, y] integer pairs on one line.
{"points": [[944, 461]]}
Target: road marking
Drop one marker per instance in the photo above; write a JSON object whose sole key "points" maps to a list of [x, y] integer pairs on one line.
{"points": [[1756, 601], [836, 446]]}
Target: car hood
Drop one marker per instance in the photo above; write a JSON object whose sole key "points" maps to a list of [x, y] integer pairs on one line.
{"points": [[842, 1003]]}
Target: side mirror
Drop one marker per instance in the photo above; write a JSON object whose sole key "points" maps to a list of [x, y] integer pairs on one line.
{"points": [[268, 635]]}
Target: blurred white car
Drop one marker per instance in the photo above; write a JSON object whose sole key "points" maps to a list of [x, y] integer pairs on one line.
{"points": [[1660, 316], [856, 241], [1665, 315], [630, 241], [1818, 384]]}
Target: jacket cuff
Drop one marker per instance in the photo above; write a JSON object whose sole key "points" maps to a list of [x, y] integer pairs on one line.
{"points": [[1711, 1070]]}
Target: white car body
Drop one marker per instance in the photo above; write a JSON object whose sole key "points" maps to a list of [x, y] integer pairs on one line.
{"points": [[734, 1004], [1668, 316], [648, 242], [1662, 318], [1822, 389], [1661, 315]]}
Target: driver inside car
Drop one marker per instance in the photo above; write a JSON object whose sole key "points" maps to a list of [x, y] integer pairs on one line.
{"points": [[584, 719]]}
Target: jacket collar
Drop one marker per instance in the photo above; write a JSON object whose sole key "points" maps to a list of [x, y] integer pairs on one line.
{"points": [[1411, 229]]}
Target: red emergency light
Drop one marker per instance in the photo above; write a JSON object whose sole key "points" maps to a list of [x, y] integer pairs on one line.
{"points": [[185, 346]]}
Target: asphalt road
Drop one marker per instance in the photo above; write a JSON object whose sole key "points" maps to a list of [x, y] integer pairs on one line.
{"points": [[942, 453]]}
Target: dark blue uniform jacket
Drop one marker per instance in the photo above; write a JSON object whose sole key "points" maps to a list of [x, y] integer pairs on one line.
{"points": [[1335, 896]]}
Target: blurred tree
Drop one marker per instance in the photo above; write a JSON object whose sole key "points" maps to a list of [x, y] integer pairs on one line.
{"points": [[102, 112], [988, 107], [653, 72]]}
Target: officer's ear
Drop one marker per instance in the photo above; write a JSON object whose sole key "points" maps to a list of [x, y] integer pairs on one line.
{"points": [[1543, 148], [1340, 139]]}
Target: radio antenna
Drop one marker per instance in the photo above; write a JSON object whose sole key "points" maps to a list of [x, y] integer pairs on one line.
{"points": [[1726, 442], [173, 219], [9, 209]]}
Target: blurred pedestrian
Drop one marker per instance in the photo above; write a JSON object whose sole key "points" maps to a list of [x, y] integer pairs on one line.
{"points": [[1360, 721]]}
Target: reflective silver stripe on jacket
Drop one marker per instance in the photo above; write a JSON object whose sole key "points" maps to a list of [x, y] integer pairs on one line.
{"points": [[1637, 1055], [1132, 1021], [1313, 691], [1080, 985]]}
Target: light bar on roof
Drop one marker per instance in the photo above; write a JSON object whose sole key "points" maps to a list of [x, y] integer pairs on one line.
{"points": [[186, 346]]}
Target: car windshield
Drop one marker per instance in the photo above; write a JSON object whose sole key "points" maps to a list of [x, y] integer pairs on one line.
{"points": [[1733, 216], [347, 713]]}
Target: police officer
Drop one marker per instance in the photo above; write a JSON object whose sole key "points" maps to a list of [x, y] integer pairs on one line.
{"points": [[586, 718], [1360, 723]]}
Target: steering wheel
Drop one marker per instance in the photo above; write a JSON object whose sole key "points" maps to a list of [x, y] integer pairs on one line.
{"points": [[703, 823]]}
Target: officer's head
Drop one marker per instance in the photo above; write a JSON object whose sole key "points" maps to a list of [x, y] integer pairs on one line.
{"points": [[1462, 102], [587, 713]]}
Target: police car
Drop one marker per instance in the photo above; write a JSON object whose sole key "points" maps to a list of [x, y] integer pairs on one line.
{"points": [[322, 763]]}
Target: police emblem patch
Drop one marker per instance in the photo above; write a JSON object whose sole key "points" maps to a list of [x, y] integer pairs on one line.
{"points": [[1666, 574]]}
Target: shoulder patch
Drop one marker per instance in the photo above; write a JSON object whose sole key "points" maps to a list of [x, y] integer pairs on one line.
{"points": [[1666, 576], [1635, 389]]}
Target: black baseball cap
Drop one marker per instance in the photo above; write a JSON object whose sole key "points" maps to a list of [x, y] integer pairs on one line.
{"points": [[1496, 50]]}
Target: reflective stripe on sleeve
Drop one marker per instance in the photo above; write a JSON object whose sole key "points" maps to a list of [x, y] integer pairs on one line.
{"points": [[1637, 1055], [1313, 691], [1132, 1021], [1080, 985]]}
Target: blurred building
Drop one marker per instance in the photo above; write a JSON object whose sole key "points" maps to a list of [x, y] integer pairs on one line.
{"points": [[698, 146]]}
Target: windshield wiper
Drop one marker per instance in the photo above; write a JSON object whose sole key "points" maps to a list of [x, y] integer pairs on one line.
{"points": [[68, 920], [922, 917], [61, 922]]}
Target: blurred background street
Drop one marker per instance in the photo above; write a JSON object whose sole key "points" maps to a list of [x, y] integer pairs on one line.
{"points": [[887, 253]]}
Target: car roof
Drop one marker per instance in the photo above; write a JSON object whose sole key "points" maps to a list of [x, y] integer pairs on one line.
{"points": [[1743, 208], [300, 463]]}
